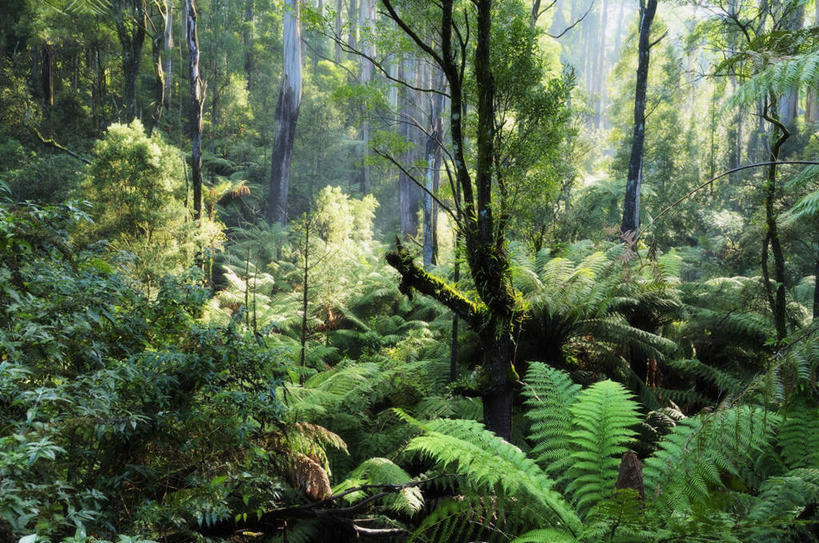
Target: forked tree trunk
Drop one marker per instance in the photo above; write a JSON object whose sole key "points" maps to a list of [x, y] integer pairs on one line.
{"points": [[495, 318], [631, 209], [287, 113], [197, 99]]}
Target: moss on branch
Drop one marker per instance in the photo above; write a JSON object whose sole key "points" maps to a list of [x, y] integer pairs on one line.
{"points": [[413, 277]]}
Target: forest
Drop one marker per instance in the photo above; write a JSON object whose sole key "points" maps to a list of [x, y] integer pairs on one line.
{"points": [[409, 271]]}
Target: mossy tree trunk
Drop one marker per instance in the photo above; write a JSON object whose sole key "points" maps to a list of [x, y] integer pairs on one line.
{"points": [[496, 315]]}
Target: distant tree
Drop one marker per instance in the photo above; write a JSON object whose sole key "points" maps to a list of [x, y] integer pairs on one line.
{"points": [[131, 21], [631, 209], [287, 113], [197, 99]]}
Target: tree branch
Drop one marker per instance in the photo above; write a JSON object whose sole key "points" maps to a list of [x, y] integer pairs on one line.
{"points": [[53, 144], [723, 174], [414, 277], [414, 180], [411, 33], [574, 24]]}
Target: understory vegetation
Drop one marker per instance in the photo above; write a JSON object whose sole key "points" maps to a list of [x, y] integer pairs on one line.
{"points": [[397, 302]]}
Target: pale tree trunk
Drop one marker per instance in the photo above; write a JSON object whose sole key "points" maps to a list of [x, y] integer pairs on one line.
{"points": [[366, 21], [408, 196], [167, 67], [600, 71], [789, 101], [339, 28], [352, 18], [197, 101], [159, 82], [433, 159], [631, 209], [287, 113], [812, 100]]}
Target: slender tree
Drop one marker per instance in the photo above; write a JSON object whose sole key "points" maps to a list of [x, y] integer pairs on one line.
{"points": [[197, 101], [631, 209], [167, 67], [497, 316], [287, 113]]}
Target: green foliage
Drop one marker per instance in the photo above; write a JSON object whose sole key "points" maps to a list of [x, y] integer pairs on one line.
{"points": [[138, 197], [703, 478], [602, 417], [549, 393], [109, 397]]}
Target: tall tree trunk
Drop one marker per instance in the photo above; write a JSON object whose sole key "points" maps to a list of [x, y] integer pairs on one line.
{"points": [[408, 192], [159, 81], [631, 209], [198, 100], [167, 66], [247, 42], [131, 18], [600, 71], [777, 300], [789, 101], [287, 113], [352, 19], [433, 157], [47, 78], [816, 285], [366, 21], [812, 99], [339, 29]]}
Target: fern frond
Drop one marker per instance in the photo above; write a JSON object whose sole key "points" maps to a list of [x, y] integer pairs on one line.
{"points": [[378, 471], [549, 393], [490, 463], [724, 381], [692, 457], [603, 416], [798, 437]]}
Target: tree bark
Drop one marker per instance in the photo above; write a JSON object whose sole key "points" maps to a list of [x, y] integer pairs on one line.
{"points": [[339, 28], [167, 66], [408, 191], [131, 18], [287, 113], [366, 21], [247, 42], [433, 159], [777, 301], [631, 209], [198, 100], [495, 318]]}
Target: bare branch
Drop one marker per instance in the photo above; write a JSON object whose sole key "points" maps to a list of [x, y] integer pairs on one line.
{"points": [[574, 24], [411, 33], [51, 143], [723, 174], [414, 180]]}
